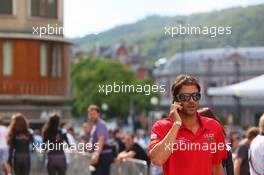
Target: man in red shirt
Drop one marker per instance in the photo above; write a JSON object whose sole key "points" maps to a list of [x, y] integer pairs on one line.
{"points": [[186, 143]]}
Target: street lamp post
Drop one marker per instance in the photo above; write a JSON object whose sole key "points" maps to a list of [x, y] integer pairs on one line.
{"points": [[132, 112], [183, 71], [104, 107], [154, 101], [237, 99]]}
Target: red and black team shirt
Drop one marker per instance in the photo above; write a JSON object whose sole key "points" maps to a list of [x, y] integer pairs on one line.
{"points": [[191, 153]]}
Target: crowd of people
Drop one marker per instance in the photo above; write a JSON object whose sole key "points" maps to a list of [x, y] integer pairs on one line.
{"points": [[19, 145], [244, 153], [16, 147], [17, 139]]}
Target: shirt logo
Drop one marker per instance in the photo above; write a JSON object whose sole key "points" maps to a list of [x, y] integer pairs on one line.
{"points": [[153, 142], [182, 139], [209, 136], [153, 136]]}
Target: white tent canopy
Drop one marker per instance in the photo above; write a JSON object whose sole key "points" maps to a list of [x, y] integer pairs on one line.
{"points": [[252, 88]]}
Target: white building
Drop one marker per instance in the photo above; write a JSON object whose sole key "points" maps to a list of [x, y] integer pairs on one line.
{"points": [[217, 67]]}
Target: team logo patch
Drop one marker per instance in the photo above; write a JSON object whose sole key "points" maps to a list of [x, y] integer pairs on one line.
{"points": [[153, 142], [153, 136], [182, 139], [209, 136]]}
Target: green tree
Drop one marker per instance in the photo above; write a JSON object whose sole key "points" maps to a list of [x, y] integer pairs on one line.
{"points": [[90, 75]]}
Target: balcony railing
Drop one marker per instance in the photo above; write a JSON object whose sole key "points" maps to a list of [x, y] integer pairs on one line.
{"points": [[29, 88]]}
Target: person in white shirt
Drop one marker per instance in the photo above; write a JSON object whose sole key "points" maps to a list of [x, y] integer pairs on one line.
{"points": [[256, 151], [70, 135], [3, 145], [139, 139]]}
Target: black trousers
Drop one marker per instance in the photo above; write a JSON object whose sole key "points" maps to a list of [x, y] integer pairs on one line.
{"points": [[22, 164], [103, 165], [57, 164]]}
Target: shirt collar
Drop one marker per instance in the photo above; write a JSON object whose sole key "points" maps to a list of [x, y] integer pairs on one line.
{"points": [[202, 121]]}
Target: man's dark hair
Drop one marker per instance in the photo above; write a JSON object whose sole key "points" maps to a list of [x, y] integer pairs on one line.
{"points": [[207, 112], [252, 132], [131, 135], [183, 80], [94, 107], [1, 120]]}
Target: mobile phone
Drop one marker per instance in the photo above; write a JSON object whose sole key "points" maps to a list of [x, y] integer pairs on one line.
{"points": [[175, 100]]}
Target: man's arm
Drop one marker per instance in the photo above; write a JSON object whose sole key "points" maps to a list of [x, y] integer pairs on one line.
{"points": [[124, 155], [162, 150], [221, 152], [237, 165], [95, 156], [218, 169], [160, 153]]}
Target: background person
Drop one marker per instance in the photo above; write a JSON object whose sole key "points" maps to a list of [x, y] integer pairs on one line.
{"points": [[139, 139], [235, 139], [54, 135], [19, 141], [3, 146], [241, 166], [119, 140], [85, 137], [134, 150], [71, 140], [256, 151], [227, 163], [37, 158], [102, 155]]}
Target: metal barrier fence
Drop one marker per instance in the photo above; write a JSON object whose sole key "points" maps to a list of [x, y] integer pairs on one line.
{"points": [[130, 167], [79, 164]]}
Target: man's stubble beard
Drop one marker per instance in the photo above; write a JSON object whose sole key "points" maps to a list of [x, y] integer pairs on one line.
{"points": [[189, 114]]}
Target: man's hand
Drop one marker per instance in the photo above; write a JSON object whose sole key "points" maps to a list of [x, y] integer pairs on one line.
{"points": [[237, 165], [218, 169], [174, 111], [95, 158], [121, 156], [8, 168], [158, 154], [125, 155]]}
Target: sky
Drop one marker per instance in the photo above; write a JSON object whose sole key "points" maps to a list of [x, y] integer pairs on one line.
{"points": [[83, 17]]}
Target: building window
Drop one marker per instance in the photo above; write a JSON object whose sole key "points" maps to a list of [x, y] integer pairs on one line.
{"points": [[52, 8], [59, 61], [43, 60], [6, 6], [56, 61], [53, 52], [7, 58], [44, 8]]}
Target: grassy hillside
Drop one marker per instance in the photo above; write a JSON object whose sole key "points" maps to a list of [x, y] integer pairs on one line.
{"points": [[247, 30]]}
